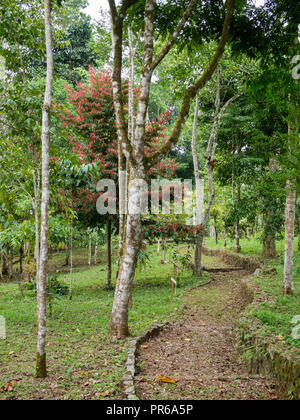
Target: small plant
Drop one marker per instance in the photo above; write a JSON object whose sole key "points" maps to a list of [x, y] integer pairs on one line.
{"points": [[55, 290], [54, 286]]}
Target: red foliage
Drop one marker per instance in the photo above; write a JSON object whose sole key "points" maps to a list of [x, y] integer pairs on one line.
{"points": [[89, 122]]}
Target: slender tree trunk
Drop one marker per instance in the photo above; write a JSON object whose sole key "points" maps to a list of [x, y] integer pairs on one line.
{"points": [[71, 261], [237, 224], [21, 259], [90, 251], [158, 247], [216, 230], [4, 266], [289, 239], [269, 244], [199, 240], [10, 263], [96, 252], [41, 367], [67, 253], [108, 233], [36, 185]]}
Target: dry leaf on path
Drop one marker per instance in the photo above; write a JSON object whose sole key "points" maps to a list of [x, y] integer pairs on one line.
{"points": [[166, 379]]}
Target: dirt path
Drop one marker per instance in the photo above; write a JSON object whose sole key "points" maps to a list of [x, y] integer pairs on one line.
{"points": [[199, 352]]}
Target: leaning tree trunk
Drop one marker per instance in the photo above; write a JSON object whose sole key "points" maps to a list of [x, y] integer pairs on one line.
{"points": [[41, 367], [108, 236], [289, 239]]}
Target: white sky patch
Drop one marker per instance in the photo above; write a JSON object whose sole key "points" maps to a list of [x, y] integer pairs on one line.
{"points": [[94, 6]]}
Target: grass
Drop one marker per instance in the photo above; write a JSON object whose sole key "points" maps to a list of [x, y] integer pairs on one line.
{"points": [[278, 311], [276, 314], [83, 363], [252, 246]]}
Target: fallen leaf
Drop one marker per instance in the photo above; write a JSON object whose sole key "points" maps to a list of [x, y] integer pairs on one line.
{"points": [[104, 394], [202, 324], [141, 379], [104, 373], [162, 378]]}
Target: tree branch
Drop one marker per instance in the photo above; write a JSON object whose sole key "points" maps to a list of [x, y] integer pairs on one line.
{"points": [[164, 51], [192, 91]]}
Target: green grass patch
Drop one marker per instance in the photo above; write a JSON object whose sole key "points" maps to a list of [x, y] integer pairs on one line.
{"points": [[83, 363]]}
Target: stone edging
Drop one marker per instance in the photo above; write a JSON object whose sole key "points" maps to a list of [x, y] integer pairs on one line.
{"points": [[130, 366], [263, 351]]}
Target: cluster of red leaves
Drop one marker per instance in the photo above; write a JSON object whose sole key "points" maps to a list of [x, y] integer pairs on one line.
{"points": [[89, 121], [177, 231]]}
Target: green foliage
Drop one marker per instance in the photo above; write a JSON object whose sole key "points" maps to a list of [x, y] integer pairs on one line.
{"points": [[55, 287]]}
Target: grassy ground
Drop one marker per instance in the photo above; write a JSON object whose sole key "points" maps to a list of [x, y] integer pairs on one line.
{"points": [[83, 363], [252, 246], [278, 311]]}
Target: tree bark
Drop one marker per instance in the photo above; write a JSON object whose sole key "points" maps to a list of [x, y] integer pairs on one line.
{"points": [[90, 251], [108, 235], [269, 244], [71, 261], [237, 223], [289, 238], [41, 367], [36, 182]]}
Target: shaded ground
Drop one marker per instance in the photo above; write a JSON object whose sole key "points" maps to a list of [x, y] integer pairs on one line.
{"points": [[198, 352]]}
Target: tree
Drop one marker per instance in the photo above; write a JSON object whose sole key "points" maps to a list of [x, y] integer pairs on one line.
{"points": [[41, 367], [134, 150]]}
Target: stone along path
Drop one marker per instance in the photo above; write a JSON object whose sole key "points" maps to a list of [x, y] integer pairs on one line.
{"points": [[199, 351]]}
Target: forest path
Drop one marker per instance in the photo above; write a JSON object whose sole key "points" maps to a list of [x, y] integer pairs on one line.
{"points": [[199, 351]]}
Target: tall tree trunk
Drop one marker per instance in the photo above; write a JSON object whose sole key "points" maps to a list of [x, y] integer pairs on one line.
{"points": [[36, 184], [21, 259], [71, 261], [10, 262], [237, 223], [289, 239], [67, 253], [269, 243], [198, 246], [108, 235], [4, 266], [216, 230], [119, 318], [41, 367], [96, 252], [90, 251]]}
